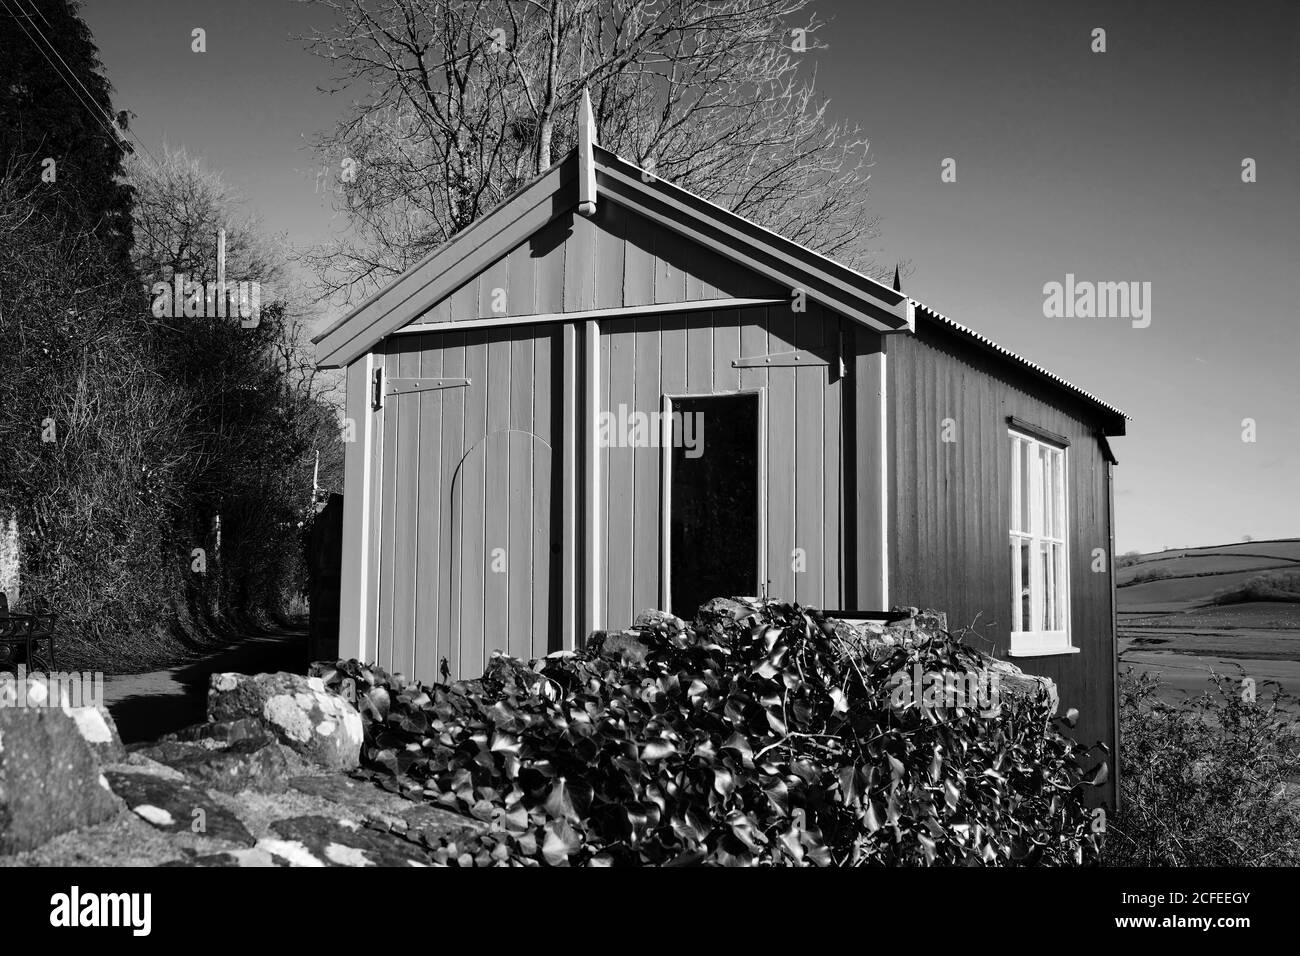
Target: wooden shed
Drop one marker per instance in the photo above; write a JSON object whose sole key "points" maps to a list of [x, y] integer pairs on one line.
{"points": [[609, 394]]}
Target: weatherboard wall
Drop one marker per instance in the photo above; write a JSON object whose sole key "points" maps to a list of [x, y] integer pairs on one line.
{"points": [[615, 259], [950, 509]]}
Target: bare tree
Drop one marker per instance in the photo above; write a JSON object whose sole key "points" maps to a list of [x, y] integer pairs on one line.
{"points": [[180, 206], [457, 103]]}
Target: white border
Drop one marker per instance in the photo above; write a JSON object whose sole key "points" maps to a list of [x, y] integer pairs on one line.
{"points": [[1046, 643], [666, 494]]}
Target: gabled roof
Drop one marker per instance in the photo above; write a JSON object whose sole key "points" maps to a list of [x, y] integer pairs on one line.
{"points": [[555, 193]]}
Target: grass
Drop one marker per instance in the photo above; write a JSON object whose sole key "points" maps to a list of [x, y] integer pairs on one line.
{"points": [[1216, 609]]}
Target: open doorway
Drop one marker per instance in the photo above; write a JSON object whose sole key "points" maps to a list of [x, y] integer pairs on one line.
{"points": [[713, 483]]}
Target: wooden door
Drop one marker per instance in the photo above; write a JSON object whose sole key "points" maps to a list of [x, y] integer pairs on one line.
{"points": [[468, 524]]}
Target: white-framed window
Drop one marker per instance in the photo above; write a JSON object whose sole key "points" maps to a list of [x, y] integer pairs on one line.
{"points": [[1040, 534]]}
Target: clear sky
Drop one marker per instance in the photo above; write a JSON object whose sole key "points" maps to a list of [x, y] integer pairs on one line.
{"points": [[1123, 166]]}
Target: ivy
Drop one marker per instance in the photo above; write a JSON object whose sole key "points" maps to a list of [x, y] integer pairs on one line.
{"points": [[768, 739]]}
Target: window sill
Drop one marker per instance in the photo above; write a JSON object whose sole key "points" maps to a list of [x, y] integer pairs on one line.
{"points": [[1032, 649]]}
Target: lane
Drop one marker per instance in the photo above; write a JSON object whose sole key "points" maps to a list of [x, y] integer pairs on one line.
{"points": [[153, 703]]}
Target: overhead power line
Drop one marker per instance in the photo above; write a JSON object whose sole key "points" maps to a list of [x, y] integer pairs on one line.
{"points": [[102, 115]]}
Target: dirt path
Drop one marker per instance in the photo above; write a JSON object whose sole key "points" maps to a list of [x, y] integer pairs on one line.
{"points": [[150, 704]]}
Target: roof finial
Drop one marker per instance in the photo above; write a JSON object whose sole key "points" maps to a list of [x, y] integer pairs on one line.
{"points": [[898, 283], [586, 157]]}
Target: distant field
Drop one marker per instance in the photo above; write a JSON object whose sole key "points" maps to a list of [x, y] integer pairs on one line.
{"points": [[1177, 594], [1279, 548], [1266, 615], [1196, 573], [1192, 564], [1169, 626]]}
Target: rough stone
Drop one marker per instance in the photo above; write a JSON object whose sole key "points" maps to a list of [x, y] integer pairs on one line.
{"points": [[625, 646], [255, 856], [223, 732], [324, 841], [304, 716], [177, 807], [248, 763], [50, 779], [651, 618], [378, 807], [736, 608], [99, 731]]}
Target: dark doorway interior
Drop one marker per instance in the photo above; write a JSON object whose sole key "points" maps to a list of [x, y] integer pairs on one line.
{"points": [[714, 500]]}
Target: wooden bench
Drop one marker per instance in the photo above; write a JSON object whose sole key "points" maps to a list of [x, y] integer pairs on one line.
{"points": [[22, 634]]}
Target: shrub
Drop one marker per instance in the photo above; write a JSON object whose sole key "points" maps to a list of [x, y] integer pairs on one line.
{"points": [[1204, 780], [1146, 576], [1269, 586], [768, 740]]}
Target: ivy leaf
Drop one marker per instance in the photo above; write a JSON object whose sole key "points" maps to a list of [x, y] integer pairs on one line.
{"points": [[561, 843]]}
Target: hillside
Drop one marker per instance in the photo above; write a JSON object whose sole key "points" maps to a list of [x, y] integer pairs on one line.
{"points": [[1169, 622], [1186, 579]]}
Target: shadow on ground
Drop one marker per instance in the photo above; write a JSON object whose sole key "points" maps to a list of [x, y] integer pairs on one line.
{"points": [[147, 705]]}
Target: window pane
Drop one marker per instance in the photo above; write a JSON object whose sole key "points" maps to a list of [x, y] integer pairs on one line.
{"points": [[1026, 570], [1058, 496], [1058, 559], [1044, 462], [1026, 487], [1015, 585], [1043, 583], [1016, 491]]}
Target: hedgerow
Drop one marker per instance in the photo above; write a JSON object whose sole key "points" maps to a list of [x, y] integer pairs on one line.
{"points": [[769, 740], [1208, 779]]}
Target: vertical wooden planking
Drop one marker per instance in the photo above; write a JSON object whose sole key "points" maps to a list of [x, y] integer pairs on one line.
{"points": [[620, 475], [497, 498], [429, 513], [952, 511], [451, 502], [781, 458], [375, 593], [726, 349], [611, 221], [645, 479], [494, 290], [543, 600], [548, 249], [355, 636], [580, 266], [595, 354], [464, 302], [388, 518], [753, 341], [407, 484], [440, 312], [671, 253], [521, 473], [808, 452], [471, 556], [521, 282], [699, 355], [638, 262], [570, 550], [832, 466], [672, 379]]}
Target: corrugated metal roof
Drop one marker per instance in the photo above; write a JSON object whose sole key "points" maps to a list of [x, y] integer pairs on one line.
{"points": [[1033, 366]]}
